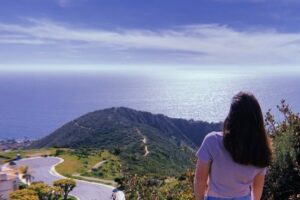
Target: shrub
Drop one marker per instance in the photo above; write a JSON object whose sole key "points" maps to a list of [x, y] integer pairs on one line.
{"points": [[23, 169], [283, 178], [25, 194], [59, 152], [22, 185], [46, 192]]}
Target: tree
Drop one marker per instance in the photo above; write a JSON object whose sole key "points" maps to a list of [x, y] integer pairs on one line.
{"points": [[116, 151], [56, 193], [67, 185]]}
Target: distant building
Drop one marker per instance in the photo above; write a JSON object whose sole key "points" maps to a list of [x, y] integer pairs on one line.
{"points": [[12, 144], [9, 182]]}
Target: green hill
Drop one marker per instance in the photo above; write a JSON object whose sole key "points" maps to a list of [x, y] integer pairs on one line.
{"points": [[146, 143]]}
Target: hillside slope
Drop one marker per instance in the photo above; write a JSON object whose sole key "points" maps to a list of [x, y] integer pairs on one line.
{"points": [[146, 142]]}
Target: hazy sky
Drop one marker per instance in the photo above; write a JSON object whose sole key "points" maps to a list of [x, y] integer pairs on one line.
{"points": [[103, 34]]}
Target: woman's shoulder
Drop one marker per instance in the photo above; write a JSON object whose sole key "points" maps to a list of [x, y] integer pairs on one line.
{"points": [[213, 139], [210, 146], [214, 136]]}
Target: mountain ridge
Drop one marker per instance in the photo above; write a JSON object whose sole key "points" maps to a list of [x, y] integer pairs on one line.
{"points": [[169, 141], [162, 122]]}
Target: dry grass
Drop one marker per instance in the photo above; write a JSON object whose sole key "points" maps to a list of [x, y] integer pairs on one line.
{"points": [[74, 165]]}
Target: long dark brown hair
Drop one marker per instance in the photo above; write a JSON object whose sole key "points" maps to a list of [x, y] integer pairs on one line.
{"points": [[244, 133]]}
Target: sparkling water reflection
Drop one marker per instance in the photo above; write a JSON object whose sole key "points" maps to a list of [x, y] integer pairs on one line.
{"points": [[34, 105]]}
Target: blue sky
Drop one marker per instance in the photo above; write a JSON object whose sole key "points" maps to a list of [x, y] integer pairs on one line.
{"points": [[115, 34]]}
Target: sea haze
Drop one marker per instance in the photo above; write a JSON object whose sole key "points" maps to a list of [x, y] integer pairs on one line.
{"points": [[33, 105]]}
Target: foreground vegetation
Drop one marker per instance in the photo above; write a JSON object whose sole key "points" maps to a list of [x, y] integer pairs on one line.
{"points": [[165, 188], [282, 180], [41, 191]]}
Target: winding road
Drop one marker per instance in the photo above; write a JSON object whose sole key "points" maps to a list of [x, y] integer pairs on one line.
{"points": [[42, 169]]}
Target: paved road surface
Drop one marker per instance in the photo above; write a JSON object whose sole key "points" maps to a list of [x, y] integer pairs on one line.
{"points": [[40, 168]]}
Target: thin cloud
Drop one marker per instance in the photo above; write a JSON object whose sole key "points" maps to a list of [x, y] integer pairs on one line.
{"points": [[260, 1], [64, 3], [242, 1], [69, 3], [200, 44]]}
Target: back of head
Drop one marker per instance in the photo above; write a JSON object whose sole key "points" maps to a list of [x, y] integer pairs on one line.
{"points": [[244, 133]]}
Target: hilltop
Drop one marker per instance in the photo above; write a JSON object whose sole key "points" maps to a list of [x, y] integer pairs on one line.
{"points": [[145, 142]]}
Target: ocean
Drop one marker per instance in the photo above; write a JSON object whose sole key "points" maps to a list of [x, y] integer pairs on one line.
{"points": [[34, 104]]}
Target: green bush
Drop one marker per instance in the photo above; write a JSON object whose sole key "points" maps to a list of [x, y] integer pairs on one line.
{"points": [[22, 185], [59, 152], [283, 178]]}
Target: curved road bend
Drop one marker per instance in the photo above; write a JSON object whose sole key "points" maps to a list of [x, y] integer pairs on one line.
{"points": [[40, 168]]}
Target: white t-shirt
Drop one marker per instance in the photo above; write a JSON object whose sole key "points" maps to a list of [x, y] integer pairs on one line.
{"points": [[120, 195]]}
